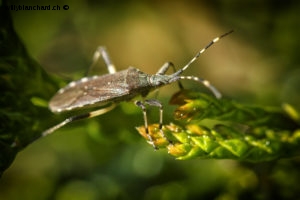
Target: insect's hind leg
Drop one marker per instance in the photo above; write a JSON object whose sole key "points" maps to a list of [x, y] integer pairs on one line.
{"points": [[165, 68], [102, 52], [78, 117]]}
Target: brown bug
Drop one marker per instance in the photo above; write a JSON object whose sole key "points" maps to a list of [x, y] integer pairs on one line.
{"points": [[110, 89]]}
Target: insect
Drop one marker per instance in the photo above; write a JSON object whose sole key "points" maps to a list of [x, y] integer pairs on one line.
{"points": [[110, 89]]}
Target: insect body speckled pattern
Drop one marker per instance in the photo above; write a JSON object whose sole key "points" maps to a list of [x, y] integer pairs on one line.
{"points": [[100, 90], [110, 89]]}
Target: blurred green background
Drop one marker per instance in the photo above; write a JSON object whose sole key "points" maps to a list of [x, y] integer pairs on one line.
{"points": [[105, 158]]}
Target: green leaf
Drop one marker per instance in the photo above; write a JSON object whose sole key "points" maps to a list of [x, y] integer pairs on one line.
{"points": [[24, 89]]}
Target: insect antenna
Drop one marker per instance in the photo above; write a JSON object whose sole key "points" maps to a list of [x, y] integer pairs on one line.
{"points": [[206, 83], [200, 52]]}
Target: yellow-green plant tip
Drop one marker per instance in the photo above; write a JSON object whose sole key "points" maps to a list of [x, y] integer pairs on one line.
{"points": [[178, 150], [158, 140], [141, 130], [216, 135], [221, 153], [196, 129], [189, 109], [296, 136], [199, 103], [264, 144], [194, 152], [39, 102], [291, 111], [181, 137], [235, 146], [206, 143], [173, 128]]}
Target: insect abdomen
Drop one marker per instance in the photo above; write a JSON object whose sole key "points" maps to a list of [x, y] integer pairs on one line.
{"points": [[99, 90]]}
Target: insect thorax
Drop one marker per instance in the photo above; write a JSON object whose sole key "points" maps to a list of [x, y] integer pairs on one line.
{"points": [[138, 82]]}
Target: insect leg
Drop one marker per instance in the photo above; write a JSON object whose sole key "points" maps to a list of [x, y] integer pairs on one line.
{"points": [[143, 107], [206, 83], [101, 51], [78, 117], [165, 68], [156, 103]]}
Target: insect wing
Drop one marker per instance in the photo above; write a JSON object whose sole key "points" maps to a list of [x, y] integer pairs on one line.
{"points": [[89, 92]]}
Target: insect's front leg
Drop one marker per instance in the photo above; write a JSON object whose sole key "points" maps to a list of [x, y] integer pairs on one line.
{"points": [[102, 52], [144, 109], [156, 103]]}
